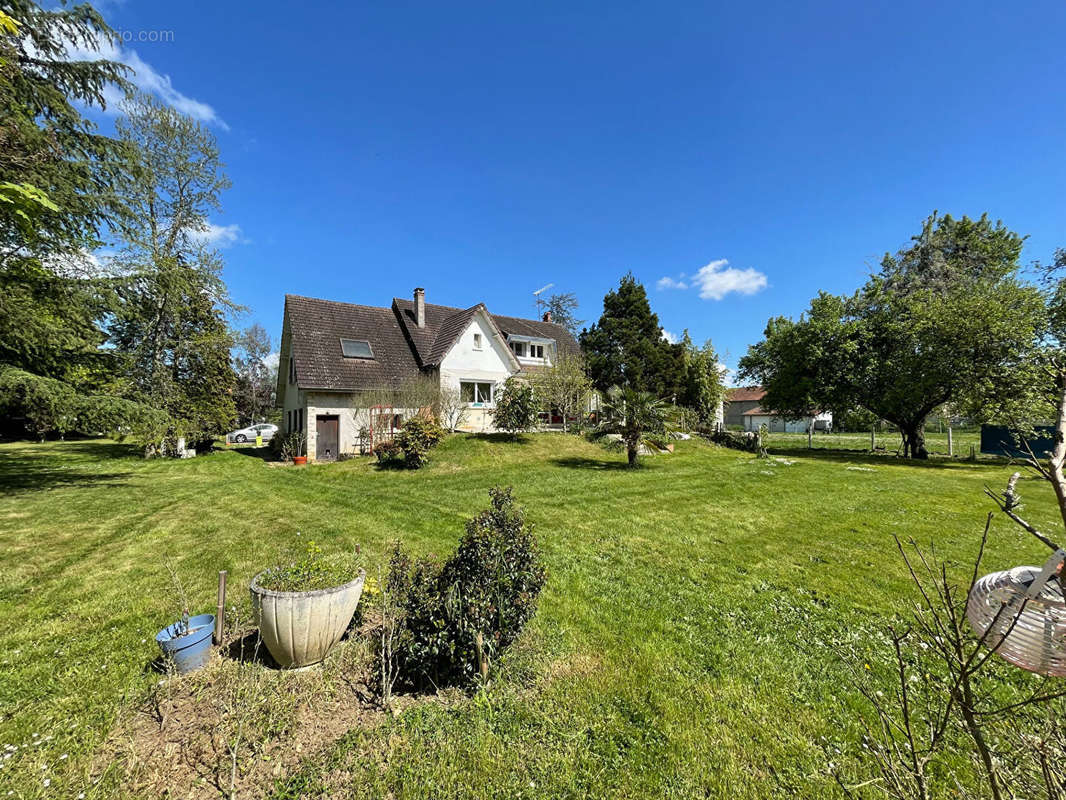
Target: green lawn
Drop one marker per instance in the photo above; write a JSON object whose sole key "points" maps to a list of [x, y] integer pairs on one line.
{"points": [[687, 644], [889, 442]]}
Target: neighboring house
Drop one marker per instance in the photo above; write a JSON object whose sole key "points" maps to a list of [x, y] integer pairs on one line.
{"points": [[339, 359], [757, 417], [744, 408], [740, 401]]}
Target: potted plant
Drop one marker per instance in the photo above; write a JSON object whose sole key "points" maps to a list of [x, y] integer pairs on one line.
{"points": [[303, 609], [186, 643], [293, 448]]}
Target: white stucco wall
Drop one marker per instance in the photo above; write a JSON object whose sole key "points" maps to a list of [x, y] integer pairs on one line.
{"points": [[779, 425], [491, 364]]}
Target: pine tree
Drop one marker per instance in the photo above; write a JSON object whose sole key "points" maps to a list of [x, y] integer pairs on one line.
{"points": [[626, 347]]}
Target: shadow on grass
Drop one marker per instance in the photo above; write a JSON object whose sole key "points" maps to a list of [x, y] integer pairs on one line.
{"points": [[884, 458], [263, 453], [579, 462], [19, 475], [501, 438]]}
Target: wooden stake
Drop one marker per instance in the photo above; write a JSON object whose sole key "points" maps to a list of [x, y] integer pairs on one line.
{"points": [[221, 610], [951, 447]]}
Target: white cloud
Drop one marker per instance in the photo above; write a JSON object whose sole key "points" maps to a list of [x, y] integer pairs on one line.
{"points": [[670, 283], [672, 338], [718, 279], [272, 360], [220, 235], [146, 78]]}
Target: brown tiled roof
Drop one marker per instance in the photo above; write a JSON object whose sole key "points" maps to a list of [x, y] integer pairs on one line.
{"points": [[426, 338], [317, 327], [400, 347], [745, 394]]}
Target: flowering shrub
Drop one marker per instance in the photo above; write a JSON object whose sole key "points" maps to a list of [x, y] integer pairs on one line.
{"points": [[458, 617]]}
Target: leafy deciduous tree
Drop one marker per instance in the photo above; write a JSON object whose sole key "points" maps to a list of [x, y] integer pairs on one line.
{"points": [[564, 387], [563, 308], [946, 320], [170, 328]]}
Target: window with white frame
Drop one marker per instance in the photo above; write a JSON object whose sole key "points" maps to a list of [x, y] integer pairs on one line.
{"points": [[536, 351], [477, 341], [475, 392], [518, 348]]}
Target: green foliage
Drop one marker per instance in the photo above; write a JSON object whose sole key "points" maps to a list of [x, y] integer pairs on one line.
{"points": [[626, 347], [516, 407], [290, 445], [57, 190], [636, 416], [388, 452], [52, 406], [459, 617], [48, 144], [255, 380], [563, 387], [170, 327], [563, 310], [311, 572], [703, 389], [946, 320], [416, 437]]}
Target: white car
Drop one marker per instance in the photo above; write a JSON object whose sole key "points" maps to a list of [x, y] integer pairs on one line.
{"points": [[264, 429]]}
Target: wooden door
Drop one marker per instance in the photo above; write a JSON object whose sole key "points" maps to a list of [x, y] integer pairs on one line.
{"points": [[327, 435]]}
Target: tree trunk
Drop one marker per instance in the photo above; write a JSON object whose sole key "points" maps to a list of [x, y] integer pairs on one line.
{"points": [[1057, 459], [914, 440], [631, 453]]}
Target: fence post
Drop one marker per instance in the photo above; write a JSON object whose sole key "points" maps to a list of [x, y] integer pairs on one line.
{"points": [[873, 438], [221, 610], [951, 447]]}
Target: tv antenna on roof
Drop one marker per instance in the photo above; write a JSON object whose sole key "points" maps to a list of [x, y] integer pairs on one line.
{"points": [[538, 303]]}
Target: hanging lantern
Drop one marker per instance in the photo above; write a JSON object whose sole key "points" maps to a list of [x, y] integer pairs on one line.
{"points": [[1026, 612]]}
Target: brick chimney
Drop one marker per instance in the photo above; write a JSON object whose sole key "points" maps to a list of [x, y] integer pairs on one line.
{"points": [[420, 307], [547, 316]]}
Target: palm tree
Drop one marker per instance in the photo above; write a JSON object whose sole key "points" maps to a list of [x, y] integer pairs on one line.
{"points": [[634, 414]]}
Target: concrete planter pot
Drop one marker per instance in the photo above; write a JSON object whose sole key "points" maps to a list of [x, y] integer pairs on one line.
{"points": [[300, 628]]}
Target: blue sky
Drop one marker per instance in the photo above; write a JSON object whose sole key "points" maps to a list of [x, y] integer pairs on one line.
{"points": [[484, 150]]}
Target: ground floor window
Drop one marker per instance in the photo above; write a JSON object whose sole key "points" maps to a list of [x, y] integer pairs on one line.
{"points": [[475, 393]]}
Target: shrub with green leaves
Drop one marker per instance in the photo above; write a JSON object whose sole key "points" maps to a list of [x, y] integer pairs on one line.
{"points": [[460, 616], [388, 451], [516, 407], [418, 435]]}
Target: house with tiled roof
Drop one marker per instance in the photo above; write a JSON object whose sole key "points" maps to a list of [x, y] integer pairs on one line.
{"points": [[743, 407], [339, 360], [741, 400]]}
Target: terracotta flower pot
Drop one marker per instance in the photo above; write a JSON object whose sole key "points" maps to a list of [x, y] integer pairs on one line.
{"points": [[299, 461], [300, 628]]}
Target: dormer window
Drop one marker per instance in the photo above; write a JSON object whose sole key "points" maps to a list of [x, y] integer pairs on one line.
{"points": [[356, 348], [530, 348]]}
